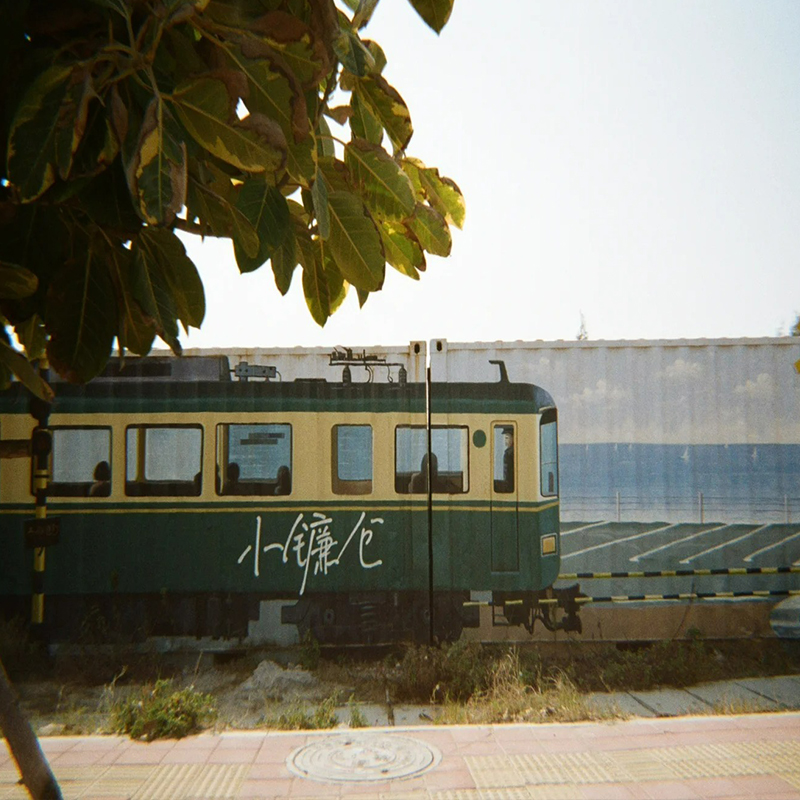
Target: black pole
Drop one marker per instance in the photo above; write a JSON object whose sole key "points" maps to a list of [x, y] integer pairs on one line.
{"points": [[431, 637], [41, 444]]}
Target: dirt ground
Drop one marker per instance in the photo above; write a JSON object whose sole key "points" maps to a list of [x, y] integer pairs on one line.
{"points": [[247, 691], [78, 691]]}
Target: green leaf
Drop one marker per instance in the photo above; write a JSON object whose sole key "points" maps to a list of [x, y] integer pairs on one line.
{"points": [[16, 282], [301, 48], [136, 332], [325, 147], [32, 335], [285, 258], [337, 285], [382, 182], [81, 318], [442, 193], [107, 201], [157, 168], [267, 211], [363, 123], [315, 288], [235, 13], [434, 12], [363, 12], [431, 230], [355, 243], [388, 107], [377, 54], [336, 175], [273, 92], [319, 196], [445, 196], [216, 214], [211, 202], [402, 249], [166, 284], [350, 50], [37, 131], [16, 363], [254, 144], [39, 237], [99, 146]]}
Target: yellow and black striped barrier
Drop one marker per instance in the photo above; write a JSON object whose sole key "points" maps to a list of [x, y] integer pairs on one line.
{"points": [[680, 573], [643, 598]]}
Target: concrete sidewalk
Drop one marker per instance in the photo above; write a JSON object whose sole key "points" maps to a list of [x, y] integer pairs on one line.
{"points": [[745, 695], [691, 758], [657, 755]]}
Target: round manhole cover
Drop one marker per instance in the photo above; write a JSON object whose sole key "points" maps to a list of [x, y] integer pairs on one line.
{"points": [[363, 757]]}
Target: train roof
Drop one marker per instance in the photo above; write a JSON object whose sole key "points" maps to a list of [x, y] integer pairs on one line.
{"points": [[208, 383]]}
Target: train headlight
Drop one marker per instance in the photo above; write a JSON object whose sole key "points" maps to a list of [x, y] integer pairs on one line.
{"points": [[549, 544]]}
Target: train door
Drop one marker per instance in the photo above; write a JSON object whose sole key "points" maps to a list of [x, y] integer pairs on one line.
{"points": [[504, 512]]}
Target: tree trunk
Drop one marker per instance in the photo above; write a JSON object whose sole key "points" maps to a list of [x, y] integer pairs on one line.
{"points": [[24, 746]]}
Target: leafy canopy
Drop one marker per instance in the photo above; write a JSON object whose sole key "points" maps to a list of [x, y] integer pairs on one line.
{"points": [[126, 120]]}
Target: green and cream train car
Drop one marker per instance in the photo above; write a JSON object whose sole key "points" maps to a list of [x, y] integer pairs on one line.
{"points": [[196, 497]]}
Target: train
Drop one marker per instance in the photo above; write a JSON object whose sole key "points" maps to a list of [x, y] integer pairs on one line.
{"points": [[197, 497]]}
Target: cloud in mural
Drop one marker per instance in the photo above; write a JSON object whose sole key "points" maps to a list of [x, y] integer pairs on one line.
{"points": [[603, 394], [680, 370], [762, 388]]}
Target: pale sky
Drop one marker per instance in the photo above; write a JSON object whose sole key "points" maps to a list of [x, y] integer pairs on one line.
{"points": [[634, 161]]}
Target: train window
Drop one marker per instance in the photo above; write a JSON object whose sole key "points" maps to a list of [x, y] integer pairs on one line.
{"points": [[503, 461], [352, 459], [448, 463], [254, 459], [548, 444], [80, 462], [163, 460]]}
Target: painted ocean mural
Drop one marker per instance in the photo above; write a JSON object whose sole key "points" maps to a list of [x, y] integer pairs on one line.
{"points": [[687, 483]]}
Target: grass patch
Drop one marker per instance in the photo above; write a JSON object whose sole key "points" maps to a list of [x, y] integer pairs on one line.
{"points": [[650, 665], [508, 697], [300, 717], [431, 674], [357, 718], [160, 712]]}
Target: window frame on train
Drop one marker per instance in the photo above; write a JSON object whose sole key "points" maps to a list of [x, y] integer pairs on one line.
{"points": [[410, 473], [345, 457], [97, 482], [140, 485], [246, 482], [504, 480]]}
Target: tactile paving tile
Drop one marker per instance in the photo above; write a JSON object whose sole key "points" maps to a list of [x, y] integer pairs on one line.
{"points": [[117, 781], [551, 792], [656, 764], [728, 760], [791, 777], [176, 781], [513, 793], [640, 765], [539, 769], [494, 772]]}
